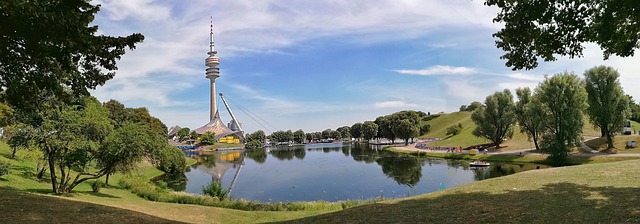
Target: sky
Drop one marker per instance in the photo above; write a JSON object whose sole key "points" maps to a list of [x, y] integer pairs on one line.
{"points": [[318, 64]]}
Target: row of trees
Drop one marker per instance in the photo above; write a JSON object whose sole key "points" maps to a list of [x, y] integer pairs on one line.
{"points": [[552, 115], [89, 140]]}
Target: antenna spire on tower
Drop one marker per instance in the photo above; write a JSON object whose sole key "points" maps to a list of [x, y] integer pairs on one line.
{"points": [[211, 36]]}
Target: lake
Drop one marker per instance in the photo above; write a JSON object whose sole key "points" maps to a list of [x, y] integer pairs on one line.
{"points": [[333, 173]]}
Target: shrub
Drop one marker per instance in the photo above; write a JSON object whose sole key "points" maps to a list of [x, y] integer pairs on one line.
{"points": [[214, 189], [169, 159], [162, 184], [454, 129], [96, 186], [5, 167]]}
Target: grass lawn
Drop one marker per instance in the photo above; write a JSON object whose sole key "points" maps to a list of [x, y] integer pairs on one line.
{"points": [[619, 142]]}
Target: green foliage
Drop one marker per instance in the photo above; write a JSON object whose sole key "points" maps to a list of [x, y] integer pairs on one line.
{"points": [[169, 159], [96, 186], [608, 107], [214, 189], [563, 98], [425, 128], [356, 130], [345, 131], [281, 136], [123, 148], [406, 129], [258, 137], [117, 112], [473, 106], [208, 138], [53, 48], [253, 144], [495, 120], [6, 115], [530, 115], [369, 130], [298, 136], [545, 29], [183, 132], [454, 129], [5, 167]]}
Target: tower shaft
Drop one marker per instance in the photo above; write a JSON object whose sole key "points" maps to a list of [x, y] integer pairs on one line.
{"points": [[212, 73]]}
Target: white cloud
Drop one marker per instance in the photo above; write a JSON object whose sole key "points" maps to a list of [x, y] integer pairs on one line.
{"points": [[439, 70], [139, 9], [393, 104], [525, 77]]}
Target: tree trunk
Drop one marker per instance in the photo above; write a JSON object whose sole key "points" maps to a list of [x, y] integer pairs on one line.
{"points": [[603, 133], [13, 154], [52, 170], [609, 142], [40, 169], [535, 142], [106, 182]]}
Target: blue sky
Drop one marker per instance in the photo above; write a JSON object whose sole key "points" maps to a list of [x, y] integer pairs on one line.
{"points": [[321, 64]]}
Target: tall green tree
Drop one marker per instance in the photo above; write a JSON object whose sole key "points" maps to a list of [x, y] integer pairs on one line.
{"points": [[356, 130], [405, 129], [495, 120], [563, 98], [608, 105], [54, 47], [369, 130], [298, 136], [536, 30], [183, 132], [530, 115], [117, 112], [386, 125], [345, 131]]}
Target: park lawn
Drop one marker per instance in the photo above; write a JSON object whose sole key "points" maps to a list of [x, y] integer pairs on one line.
{"points": [[594, 193], [619, 142]]}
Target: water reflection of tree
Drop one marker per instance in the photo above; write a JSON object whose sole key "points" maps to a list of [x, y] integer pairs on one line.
{"points": [[362, 153], [406, 170], [497, 170], [175, 181], [258, 155], [288, 154]]}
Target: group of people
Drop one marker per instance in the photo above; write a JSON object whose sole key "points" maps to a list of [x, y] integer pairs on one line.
{"points": [[423, 145]]}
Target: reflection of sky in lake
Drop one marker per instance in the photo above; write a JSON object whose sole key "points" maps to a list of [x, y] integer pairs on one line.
{"points": [[335, 175]]}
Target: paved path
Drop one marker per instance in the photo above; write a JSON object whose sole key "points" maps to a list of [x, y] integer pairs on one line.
{"points": [[589, 151]]}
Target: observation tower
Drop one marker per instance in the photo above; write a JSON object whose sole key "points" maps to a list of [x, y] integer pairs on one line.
{"points": [[215, 124]]}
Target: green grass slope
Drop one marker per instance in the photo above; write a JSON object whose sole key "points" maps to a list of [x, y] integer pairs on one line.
{"points": [[465, 138], [595, 193]]}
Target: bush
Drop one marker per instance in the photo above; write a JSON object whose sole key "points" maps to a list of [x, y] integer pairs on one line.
{"points": [[454, 129], [254, 144], [215, 190], [5, 167], [162, 184], [169, 159], [96, 186]]}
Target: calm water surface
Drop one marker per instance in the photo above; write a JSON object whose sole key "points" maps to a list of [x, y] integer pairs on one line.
{"points": [[330, 174]]}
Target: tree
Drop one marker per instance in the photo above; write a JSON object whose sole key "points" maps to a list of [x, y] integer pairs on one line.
{"points": [[405, 129], [257, 136], [369, 130], [70, 138], [298, 136], [474, 105], [386, 127], [208, 138], [536, 30], [309, 137], [335, 135], [345, 131], [563, 98], [326, 134], [463, 108], [495, 120], [356, 130], [117, 112], [122, 149], [52, 47], [454, 129], [424, 129], [183, 132], [530, 115], [608, 106], [635, 110]]}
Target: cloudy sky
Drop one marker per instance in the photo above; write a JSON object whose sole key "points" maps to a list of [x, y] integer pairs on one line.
{"points": [[313, 65]]}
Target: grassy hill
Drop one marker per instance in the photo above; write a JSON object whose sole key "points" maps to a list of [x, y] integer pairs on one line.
{"points": [[465, 138]]}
